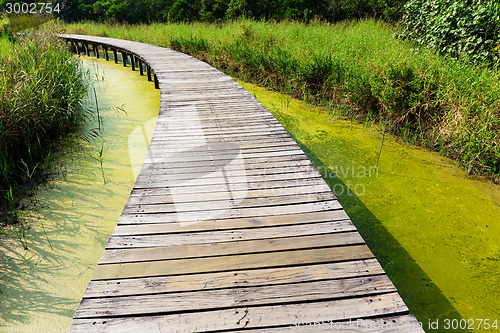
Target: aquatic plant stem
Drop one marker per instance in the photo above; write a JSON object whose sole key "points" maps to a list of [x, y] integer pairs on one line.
{"points": [[380, 151], [97, 110]]}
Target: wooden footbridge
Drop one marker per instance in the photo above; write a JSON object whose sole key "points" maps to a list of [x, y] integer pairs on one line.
{"points": [[229, 227]]}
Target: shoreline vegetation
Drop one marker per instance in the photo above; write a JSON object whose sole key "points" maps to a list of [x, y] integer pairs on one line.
{"points": [[356, 69], [42, 88]]}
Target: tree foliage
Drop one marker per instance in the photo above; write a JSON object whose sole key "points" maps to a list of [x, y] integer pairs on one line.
{"points": [[144, 11]]}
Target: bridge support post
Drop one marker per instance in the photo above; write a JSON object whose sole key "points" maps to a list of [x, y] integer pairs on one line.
{"points": [[139, 63], [106, 55], [157, 84], [124, 59], [75, 47]]}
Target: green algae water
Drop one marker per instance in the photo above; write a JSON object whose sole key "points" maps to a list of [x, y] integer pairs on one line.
{"points": [[435, 230], [76, 210]]}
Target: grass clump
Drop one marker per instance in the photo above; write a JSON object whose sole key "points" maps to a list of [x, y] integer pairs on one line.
{"points": [[357, 69], [42, 87]]}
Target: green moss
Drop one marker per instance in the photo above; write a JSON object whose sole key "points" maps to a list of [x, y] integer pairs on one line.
{"points": [[434, 229]]}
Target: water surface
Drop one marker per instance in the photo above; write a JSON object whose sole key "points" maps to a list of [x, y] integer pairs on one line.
{"points": [[435, 230]]}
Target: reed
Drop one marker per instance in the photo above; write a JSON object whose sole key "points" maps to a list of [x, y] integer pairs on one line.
{"points": [[42, 87]]}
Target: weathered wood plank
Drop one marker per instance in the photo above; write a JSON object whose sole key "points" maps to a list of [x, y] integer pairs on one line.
{"points": [[230, 263], [152, 199], [237, 177], [234, 297], [199, 250], [232, 200], [251, 317], [246, 278], [215, 188], [117, 242], [225, 213], [230, 224]]}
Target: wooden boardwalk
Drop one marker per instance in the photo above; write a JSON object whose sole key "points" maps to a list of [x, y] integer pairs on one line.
{"points": [[229, 227]]}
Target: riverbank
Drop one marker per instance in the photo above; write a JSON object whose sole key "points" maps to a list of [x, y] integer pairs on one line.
{"points": [[434, 229], [79, 206], [356, 69]]}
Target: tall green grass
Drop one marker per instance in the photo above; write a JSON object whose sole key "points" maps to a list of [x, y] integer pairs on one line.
{"points": [[355, 68], [42, 87]]}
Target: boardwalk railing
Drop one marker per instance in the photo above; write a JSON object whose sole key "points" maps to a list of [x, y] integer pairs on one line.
{"points": [[229, 226]]}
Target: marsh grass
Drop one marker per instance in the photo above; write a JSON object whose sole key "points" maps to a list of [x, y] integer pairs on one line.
{"points": [[42, 87], [359, 68]]}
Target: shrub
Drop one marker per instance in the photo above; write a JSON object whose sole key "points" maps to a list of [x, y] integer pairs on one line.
{"points": [[468, 28]]}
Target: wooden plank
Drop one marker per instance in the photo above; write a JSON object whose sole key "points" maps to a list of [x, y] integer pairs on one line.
{"points": [[180, 251], [210, 173], [253, 164], [251, 317], [231, 200], [117, 242], [215, 188], [231, 263], [234, 297], [396, 324], [247, 278], [152, 199], [225, 213], [230, 224], [217, 149], [251, 169]]}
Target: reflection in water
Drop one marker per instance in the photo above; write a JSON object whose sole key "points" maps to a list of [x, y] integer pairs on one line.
{"points": [[42, 287]]}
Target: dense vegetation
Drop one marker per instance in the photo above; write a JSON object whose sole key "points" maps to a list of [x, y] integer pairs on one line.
{"points": [[357, 69], [144, 11], [42, 86]]}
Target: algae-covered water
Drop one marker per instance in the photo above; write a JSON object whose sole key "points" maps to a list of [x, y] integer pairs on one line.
{"points": [[435, 230], [79, 206]]}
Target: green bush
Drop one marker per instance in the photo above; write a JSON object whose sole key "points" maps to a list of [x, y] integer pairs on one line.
{"points": [[468, 28]]}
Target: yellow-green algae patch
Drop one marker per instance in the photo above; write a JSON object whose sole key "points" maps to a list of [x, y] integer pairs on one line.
{"points": [[435, 230], [41, 287]]}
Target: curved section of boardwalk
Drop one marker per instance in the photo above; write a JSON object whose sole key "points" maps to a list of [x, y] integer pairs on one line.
{"points": [[229, 226]]}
